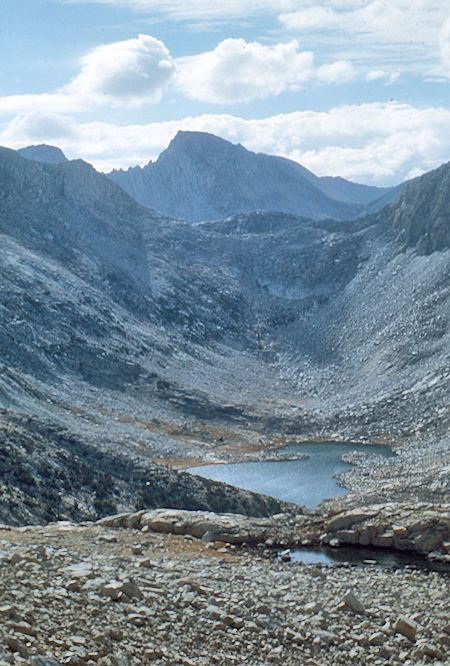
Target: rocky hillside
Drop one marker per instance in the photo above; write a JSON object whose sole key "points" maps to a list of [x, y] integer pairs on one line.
{"points": [[202, 177], [151, 338], [48, 474]]}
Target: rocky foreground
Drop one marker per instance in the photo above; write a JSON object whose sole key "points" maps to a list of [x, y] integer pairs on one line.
{"points": [[91, 594]]}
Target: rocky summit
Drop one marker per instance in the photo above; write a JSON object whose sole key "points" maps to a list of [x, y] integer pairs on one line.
{"points": [[203, 177], [133, 345]]}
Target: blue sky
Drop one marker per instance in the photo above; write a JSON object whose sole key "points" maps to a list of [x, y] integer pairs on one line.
{"points": [[357, 88]]}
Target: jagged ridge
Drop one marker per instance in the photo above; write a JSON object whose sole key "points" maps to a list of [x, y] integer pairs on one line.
{"points": [[202, 177]]}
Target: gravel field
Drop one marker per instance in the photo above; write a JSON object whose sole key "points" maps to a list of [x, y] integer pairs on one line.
{"points": [[83, 594]]}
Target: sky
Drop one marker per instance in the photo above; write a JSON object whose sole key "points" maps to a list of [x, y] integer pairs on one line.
{"points": [[351, 88]]}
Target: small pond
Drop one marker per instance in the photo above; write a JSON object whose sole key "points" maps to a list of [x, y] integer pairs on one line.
{"points": [[359, 556]]}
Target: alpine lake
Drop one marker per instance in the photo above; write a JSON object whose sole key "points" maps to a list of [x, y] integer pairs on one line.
{"points": [[307, 482]]}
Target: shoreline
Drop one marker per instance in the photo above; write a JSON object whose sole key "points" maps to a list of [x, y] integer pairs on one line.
{"points": [[264, 453]]}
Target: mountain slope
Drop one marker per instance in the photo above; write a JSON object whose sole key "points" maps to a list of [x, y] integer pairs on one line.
{"points": [[344, 190], [202, 177], [155, 338]]}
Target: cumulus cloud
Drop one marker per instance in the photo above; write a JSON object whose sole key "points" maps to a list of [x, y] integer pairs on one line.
{"points": [[138, 71], [239, 71], [133, 71], [127, 73], [404, 29], [378, 143]]}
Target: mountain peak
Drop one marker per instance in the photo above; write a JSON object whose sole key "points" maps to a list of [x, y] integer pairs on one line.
{"points": [[202, 177], [201, 146], [192, 137], [43, 153]]}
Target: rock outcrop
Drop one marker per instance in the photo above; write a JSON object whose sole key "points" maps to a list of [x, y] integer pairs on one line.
{"points": [[43, 153], [229, 528], [421, 528], [422, 214]]}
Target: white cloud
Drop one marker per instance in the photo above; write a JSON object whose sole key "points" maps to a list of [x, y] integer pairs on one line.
{"points": [[40, 126], [48, 102], [138, 71], [128, 72], [340, 71], [375, 75], [397, 20], [406, 30], [238, 71], [311, 18], [378, 143], [381, 74], [200, 9], [444, 43]]}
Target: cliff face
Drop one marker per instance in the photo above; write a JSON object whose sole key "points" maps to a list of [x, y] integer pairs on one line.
{"points": [[202, 177], [422, 213]]}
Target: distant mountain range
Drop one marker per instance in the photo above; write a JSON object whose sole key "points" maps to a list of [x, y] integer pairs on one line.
{"points": [[201, 177]]}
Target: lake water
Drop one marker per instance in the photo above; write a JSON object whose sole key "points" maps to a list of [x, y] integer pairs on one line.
{"points": [[305, 482]]}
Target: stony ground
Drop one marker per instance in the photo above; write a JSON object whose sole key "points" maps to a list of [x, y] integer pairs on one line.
{"points": [[88, 594]]}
